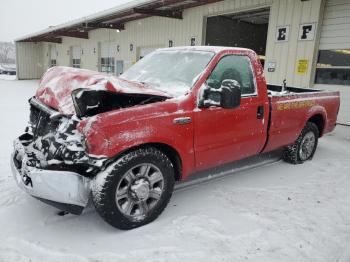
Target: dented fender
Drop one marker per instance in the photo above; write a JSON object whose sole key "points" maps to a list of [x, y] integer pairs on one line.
{"points": [[111, 133]]}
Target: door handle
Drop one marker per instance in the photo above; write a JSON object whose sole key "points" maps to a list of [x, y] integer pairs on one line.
{"points": [[182, 120], [260, 112]]}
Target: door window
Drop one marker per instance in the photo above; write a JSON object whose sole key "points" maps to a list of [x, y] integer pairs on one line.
{"points": [[233, 67]]}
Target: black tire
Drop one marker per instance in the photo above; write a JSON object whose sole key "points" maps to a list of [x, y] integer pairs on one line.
{"points": [[292, 153], [105, 185]]}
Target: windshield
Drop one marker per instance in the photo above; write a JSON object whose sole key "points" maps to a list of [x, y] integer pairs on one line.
{"points": [[173, 72]]}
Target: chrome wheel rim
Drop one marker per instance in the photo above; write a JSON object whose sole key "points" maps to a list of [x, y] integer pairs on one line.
{"points": [[307, 146], [139, 190]]}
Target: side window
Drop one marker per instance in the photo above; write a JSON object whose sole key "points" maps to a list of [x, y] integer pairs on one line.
{"points": [[234, 67]]}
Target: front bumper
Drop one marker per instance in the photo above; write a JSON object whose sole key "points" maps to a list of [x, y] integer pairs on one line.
{"points": [[65, 190]]}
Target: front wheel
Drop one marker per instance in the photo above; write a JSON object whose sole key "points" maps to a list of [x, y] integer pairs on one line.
{"points": [[304, 147], [135, 189]]}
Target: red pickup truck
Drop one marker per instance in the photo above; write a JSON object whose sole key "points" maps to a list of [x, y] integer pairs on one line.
{"points": [[125, 141]]}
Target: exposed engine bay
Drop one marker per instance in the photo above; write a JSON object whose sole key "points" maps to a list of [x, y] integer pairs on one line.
{"points": [[52, 141], [89, 102]]}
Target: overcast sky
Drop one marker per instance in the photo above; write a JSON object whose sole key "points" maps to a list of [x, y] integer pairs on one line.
{"points": [[22, 17]]}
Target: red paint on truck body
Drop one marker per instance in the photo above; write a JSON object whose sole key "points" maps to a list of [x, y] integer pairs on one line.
{"points": [[215, 135]]}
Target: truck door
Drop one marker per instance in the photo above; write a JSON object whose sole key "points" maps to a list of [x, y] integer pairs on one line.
{"points": [[224, 135]]}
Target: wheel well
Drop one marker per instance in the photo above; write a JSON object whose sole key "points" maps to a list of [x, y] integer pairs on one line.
{"points": [[169, 151], [319, 122], [174, 157]]}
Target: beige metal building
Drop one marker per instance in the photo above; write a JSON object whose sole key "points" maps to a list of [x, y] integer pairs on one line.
{"points": [[306, 42]]}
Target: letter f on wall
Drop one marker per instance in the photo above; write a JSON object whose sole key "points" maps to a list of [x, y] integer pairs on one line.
{"points": [[306, 30]]}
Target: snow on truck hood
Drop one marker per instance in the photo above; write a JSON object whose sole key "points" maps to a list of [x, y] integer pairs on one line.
{"points": [[57, 84]]}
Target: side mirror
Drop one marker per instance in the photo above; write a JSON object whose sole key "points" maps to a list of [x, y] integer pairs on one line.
{"points": [[230, 94], [227, 96]]}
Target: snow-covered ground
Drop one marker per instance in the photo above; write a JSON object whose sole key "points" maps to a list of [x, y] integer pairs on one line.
{"points": [[278, 212], [7, 77]]}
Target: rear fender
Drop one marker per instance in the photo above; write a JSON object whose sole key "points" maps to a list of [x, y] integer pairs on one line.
{"points": [[313, 111]]}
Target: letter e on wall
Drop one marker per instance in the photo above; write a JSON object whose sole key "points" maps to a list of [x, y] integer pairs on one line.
{"points": [[282, 33]]}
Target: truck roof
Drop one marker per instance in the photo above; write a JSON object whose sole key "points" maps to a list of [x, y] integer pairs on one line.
{"points": [[215, 49]]}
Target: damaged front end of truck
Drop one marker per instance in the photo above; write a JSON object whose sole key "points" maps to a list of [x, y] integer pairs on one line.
{"points": [[50, 160]]}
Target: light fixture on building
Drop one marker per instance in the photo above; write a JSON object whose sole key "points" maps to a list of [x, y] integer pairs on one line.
{"points": [[131, 47], [117, 30], [83, 29], [171, 43], [118, 48]]}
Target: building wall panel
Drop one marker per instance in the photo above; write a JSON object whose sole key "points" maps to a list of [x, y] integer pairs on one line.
{"points": [[286, 54], [29, 60]]}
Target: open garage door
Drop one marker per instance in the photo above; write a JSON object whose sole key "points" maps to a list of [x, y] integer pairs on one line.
{"points": [[246, 29]]}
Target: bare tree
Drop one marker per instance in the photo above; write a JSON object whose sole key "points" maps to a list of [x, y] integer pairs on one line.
{"points": [[7, 52]]}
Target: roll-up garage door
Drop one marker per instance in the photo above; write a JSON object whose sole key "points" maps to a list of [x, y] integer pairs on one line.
{"points": [[76, 56], [108, 49], [107, 59], [76, 52], [53, 52], [335, 33], [333, 67], [53, 55]]}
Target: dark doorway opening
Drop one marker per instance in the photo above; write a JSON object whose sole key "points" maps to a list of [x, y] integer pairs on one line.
{"points": [[246, 29]]}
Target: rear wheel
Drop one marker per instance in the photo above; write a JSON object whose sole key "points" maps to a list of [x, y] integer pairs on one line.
{"points": [[304, 147], [135, 189]]}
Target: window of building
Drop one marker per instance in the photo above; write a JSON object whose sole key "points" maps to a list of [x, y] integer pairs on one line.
{"points": [[233, 67], [76, 63], [333, 67], [53, 63], [107, 64]]}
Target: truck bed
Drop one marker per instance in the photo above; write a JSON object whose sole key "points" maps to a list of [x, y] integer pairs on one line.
{"points": [[289, 105], [290, 89]]}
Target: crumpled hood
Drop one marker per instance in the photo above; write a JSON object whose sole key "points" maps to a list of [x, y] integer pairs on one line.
{"points": [[58, 82]]}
